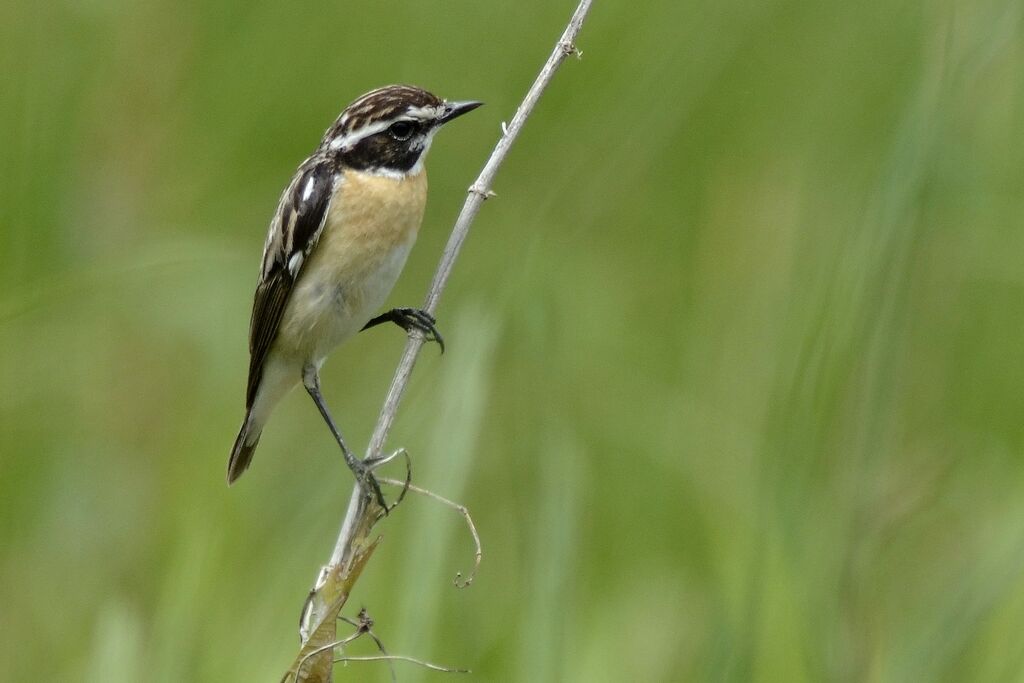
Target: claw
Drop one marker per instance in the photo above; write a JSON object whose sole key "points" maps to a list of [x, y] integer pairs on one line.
{"points": [[367, 480], [427, 324], [410, 319]]}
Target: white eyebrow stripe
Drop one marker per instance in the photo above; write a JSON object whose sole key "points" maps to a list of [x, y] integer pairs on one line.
{"points": [[424, 113], [415, 114], [348, 141]]}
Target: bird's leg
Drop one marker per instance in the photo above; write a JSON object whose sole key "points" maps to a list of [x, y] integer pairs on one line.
{"points": [[362, 472], [410, 319]]}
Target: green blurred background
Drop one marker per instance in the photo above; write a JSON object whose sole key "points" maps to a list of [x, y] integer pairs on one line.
{"points": [[735, 381]]}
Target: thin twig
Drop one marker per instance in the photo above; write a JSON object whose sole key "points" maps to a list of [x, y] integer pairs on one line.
{"points": [[365, 625], [479, 191], [329, 646], [403, 658], [354, 544], [462, 510], [408, 476]]}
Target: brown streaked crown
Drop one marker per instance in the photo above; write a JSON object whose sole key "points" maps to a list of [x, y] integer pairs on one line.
{"points": [[380, 105]]}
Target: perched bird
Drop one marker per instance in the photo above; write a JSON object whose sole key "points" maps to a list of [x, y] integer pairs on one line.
{"points": [[337, 243]]}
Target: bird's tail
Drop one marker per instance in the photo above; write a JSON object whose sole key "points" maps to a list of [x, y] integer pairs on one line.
{"points": [[245, 445]]}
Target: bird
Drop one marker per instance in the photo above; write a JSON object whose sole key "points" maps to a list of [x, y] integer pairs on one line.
{"points": [[336, 245]]}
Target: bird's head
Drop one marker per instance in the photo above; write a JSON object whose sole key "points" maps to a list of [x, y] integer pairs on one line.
{"points": [[388, 131]]}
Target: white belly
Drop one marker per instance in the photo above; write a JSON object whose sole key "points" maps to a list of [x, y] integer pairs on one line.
{"points": [[328, 307]]}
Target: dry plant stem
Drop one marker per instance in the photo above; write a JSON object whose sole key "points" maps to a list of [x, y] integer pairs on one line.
{"points": [[478, 554], [354, 544], [330, 646], [362, 628], [383, 657], [403, 658]]}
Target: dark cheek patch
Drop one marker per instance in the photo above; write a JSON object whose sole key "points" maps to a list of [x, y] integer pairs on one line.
{"points": [[381, 151]]}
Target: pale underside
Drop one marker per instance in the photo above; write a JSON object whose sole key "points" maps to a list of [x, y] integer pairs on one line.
{"points": [[371, 225]]}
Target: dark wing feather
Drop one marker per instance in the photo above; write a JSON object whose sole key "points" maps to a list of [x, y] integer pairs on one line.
{"points": [[293, 235]]}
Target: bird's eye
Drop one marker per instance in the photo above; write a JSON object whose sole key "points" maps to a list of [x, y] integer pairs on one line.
{"points": [[401, 130]]}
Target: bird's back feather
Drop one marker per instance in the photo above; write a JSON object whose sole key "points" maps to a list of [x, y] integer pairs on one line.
{"points": [[293, 235]]}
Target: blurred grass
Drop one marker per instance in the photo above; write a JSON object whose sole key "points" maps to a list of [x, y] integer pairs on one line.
{"points": [[735, 381]]}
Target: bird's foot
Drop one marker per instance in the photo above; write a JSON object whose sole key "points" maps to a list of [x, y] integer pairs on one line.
{"points": [[410, 320], [380, 460], [365, 475]]}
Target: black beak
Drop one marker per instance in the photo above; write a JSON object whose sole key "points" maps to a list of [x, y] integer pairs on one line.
{"points": [[453, 110]]}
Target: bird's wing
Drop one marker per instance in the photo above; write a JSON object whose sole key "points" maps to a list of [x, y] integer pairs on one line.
{"points": [[293, 235]]}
